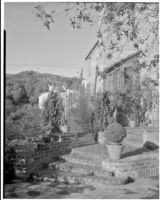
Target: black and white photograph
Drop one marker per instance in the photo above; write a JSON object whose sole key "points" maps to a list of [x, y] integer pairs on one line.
{"points": [[80, 100]]}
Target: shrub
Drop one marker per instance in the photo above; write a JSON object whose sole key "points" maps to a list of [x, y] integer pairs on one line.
{"points": [[9, 164], [115, 133], [53, 113], [103, 111], [83, 112]]}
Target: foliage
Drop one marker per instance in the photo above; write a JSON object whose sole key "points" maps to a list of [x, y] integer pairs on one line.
{"points": [[53, 113], [99, 109], [27, 86], [22, 92], [107, 108], [115, 132], [9, 164], [150, 93], [9, 108], [83, 111], [149, 99], [133, 104], [20, 120], [116, 106], [16, 93], [123, 21]]}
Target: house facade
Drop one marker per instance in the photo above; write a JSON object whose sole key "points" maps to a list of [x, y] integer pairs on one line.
{"points": [[92, 60], [122, 76], [118, 58], [101, 75]]}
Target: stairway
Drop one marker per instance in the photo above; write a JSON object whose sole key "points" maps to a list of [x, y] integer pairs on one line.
{"points": [[84, 164], [90, 164]]}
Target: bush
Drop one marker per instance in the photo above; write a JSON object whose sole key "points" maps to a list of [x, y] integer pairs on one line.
{"points": [[83, 112], [9, 164], [115, 133], [53, 113]]}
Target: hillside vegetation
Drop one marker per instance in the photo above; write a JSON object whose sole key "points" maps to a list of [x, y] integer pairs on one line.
{"points": [[21, 99]]}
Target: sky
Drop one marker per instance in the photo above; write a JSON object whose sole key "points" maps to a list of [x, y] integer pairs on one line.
{"points": [[30, 46]]}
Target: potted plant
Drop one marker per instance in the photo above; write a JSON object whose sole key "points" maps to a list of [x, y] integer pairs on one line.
{"points": [[99, 118], [133, 107], [106, 109], [53, 113], [150, 99], [115, 133]]}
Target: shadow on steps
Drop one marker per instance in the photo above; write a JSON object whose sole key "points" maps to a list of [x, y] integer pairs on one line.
{"points": [[148, 146]]}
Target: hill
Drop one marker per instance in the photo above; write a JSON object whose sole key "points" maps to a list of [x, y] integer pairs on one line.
{"points": [[52, 79], [32, 84], [22, 94]]}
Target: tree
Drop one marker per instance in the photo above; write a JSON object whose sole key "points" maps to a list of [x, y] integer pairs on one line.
{"points": [[34, 88], [16, 93], [137, 23], [53, 113], [83, 111], [9, 107], [24, 118]]}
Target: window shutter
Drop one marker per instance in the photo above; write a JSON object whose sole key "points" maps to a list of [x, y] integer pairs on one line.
{"points": [[136, 81], [129, 79], [115, 80], [104, 84], [109, 83], [122, 80]]}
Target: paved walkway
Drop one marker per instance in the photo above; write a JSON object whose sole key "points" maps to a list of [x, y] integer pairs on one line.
{"points": [[147, 188]]}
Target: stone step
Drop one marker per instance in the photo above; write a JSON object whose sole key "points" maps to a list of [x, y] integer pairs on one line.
{"points": [[84, 169], [77, 143], [91, 179], [79, 159], [95, 151], [138, 166]]}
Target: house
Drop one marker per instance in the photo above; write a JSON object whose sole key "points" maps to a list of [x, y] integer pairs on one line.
{"points": [[92, 60], [123, 76], [101, 75]]}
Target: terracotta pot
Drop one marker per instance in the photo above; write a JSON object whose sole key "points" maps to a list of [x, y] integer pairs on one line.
{"points": [[101, 137], [115, 151]]}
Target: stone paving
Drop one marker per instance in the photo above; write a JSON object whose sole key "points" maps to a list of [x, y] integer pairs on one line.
{"points": [[147, 188], [89, 174], [144, 188]]}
